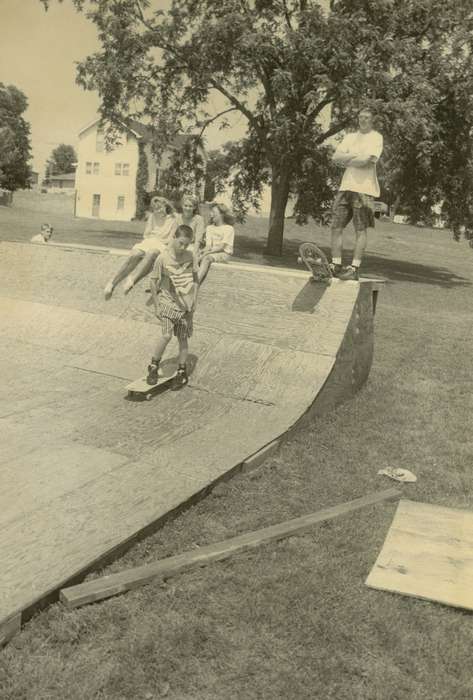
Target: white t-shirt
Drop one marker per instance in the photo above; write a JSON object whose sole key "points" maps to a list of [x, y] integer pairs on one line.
{"points": [[220, 237], [39, 238], [361, 179]]}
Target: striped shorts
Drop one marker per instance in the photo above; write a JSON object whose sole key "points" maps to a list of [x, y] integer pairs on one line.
{"points": [[174, 320]]}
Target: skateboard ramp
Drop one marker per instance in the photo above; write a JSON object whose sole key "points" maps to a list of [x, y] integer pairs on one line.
{"points": [[83, 470]]}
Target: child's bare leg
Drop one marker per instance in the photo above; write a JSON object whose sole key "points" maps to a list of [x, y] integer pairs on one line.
{"points": [[337, 237], [183, 351], [360, 247], [130, 263], [159, 349], [181, 379], [145, 266], [204, 267]]}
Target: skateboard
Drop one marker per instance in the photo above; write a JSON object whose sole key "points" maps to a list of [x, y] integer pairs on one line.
{"points": [[316, 262], [140, 387]]}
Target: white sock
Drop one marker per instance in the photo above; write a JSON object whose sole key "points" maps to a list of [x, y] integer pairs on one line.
{"points": [[356, 262], [337, 261]]}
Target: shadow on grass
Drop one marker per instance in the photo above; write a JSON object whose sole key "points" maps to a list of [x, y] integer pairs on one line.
{"points": [[252, 249]]}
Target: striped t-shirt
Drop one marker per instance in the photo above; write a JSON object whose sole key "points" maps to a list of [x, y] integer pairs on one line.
{"points": [[176, 278]]}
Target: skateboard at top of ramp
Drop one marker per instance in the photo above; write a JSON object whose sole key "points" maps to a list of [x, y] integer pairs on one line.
{"points": [[83, 470]]}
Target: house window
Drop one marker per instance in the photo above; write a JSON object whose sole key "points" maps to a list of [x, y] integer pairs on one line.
{"points": [[126, 169], [96, 168], [118, 168], [88, 168], [99, 141], [120, 203]]}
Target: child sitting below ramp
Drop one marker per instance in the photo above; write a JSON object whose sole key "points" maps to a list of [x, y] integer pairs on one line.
{"points": [[174, 294]]}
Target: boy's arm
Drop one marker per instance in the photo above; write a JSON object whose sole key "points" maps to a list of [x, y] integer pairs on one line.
{"points": [[342, 155], [155, 281], [374, 153]]}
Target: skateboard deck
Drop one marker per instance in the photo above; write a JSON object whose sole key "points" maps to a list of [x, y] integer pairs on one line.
{"points": [[316, 262], [140, 387]]}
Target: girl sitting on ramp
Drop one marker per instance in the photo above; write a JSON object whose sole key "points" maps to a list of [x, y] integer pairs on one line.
{"points": [[159, 230], [219, 237], [190, 216], [174, 293]]}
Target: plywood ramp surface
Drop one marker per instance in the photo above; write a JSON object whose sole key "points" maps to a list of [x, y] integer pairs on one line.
{"points": [[83, 470], [428, 553]]}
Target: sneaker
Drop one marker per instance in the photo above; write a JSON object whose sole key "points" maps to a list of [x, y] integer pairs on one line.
{"points": [[152, 377], [180, 380], [335, 269], [349, 273]]}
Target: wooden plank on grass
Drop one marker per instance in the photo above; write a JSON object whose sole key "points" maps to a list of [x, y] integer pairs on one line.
{"points": [[108, 586], [428, 553]]}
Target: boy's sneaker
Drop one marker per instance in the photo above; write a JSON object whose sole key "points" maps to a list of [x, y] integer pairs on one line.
{"points": [[152, 377], [349, 273], [335, 269], [180, 380]]}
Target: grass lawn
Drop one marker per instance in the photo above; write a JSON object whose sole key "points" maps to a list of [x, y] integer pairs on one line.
{"points": [[294, 620]]}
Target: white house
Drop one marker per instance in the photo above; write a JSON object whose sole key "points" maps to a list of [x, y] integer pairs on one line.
{"points": [[106, 179]]}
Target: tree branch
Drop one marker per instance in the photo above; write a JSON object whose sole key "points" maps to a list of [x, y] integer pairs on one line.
{"points": [[333, 130], [212, 119]]}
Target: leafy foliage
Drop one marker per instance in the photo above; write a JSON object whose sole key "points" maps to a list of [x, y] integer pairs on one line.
{"points": [[281, 64], [15, 149], [185, 170], [62, 159]]}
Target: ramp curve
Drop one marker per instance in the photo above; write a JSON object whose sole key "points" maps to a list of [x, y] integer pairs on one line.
{"points": [[84, 471]]}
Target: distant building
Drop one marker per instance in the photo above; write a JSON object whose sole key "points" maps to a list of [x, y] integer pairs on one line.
{"points": [[64, 181], [34, 179], [106, 179]]}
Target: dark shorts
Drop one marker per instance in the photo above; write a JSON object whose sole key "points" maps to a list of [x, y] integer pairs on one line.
{"points": [[353, 205], [174, 320]]}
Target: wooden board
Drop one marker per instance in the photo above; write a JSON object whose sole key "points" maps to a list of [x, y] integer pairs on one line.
{"points": [[428, 553], [108, 586]]}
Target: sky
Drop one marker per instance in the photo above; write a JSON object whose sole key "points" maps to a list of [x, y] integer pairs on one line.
{"points": [[38, 52]]}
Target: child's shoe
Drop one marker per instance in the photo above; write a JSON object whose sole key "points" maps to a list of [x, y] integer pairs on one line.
{"points": [[349, 273], [335, 269], [180, 380], [152, 377], [108, 291]]}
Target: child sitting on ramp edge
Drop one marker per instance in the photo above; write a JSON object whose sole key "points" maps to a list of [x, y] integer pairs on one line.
{"points": [[219, 237], [174, 293]]}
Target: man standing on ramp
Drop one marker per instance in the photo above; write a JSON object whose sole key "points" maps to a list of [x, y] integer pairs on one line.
{"points": [[357, 153]]}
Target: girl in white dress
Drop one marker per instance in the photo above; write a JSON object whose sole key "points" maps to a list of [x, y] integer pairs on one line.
{"points": [[159, 230]]}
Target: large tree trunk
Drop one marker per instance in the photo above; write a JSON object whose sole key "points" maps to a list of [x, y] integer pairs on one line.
{"points": [[279, 197]]}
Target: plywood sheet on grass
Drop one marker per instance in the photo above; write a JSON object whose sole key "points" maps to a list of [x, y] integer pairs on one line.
{"points": [[428, 553]]}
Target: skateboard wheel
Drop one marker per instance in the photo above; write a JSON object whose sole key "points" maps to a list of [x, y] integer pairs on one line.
{"points": [[148, 397]]}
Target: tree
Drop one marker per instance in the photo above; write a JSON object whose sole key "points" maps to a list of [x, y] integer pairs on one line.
{"points": [[281, 64], [217, 172], [15, 149], [62, 160]]}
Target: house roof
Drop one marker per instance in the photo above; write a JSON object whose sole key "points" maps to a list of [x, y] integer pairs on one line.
{"points": [[142, 131], [63, 176]]}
